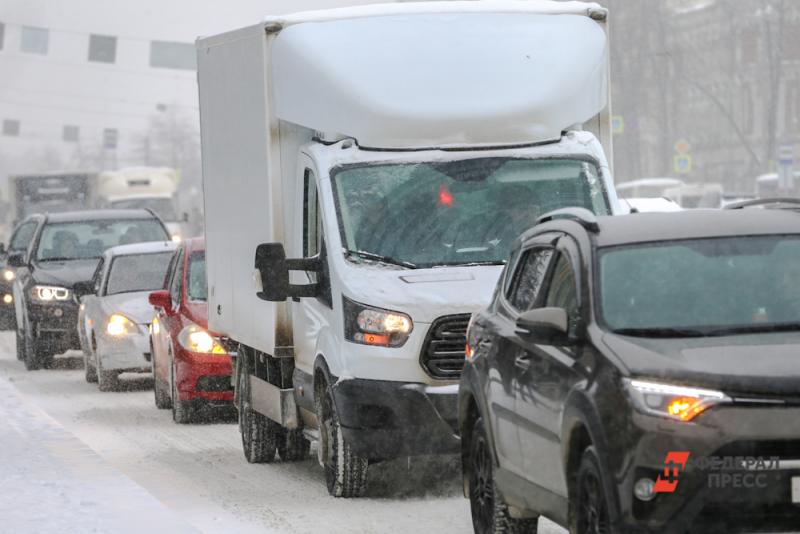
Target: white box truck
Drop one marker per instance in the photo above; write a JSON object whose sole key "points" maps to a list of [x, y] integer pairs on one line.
{"points": [[393, 153]]}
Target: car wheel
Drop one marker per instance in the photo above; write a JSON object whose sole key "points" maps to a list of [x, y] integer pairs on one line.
{"points": [[182, 411], [345, 471], [260, 434], [31, 358], [106, 380], [162, 399], [292, 446], [20, 344], [489, 511], [89, 372], [592, 505]]}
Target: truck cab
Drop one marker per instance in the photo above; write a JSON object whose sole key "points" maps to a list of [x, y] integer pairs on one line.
{"points": [[361, 198]]}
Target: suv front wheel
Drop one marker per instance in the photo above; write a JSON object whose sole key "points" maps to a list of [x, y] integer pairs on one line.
{"points": [[489, 511], [591, 510]]}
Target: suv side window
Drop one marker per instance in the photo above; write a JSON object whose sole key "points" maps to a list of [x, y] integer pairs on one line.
{"points": [[563, 291], [176, 284], [22, 237], [528, 279]]}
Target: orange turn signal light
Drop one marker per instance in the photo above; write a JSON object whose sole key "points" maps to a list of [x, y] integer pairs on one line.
{"points": [[686, 408], [376, 339]]}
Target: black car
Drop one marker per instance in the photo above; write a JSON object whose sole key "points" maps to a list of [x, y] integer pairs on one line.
{"points": [[61, 260], [639, 373]]}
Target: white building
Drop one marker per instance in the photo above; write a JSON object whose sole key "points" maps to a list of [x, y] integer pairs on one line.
{"points": [[101, 84]]}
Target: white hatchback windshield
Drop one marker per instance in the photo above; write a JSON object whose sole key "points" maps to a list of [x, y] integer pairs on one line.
{"points": [[138, 272]]}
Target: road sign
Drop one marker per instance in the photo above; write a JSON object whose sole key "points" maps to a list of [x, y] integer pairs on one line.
{"points": [[682, 163], [682, 146], [617, 124]]}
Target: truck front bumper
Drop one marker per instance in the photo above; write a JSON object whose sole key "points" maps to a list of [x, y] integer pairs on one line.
{"points": [[383, 419]]}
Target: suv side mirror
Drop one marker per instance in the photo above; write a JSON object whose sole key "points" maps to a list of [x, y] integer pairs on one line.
{"points": [[547, 326], [161, 299], [84, 288], [16, 259], [273, 268]]}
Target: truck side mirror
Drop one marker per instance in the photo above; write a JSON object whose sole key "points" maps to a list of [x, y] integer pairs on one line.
{"points": [[273, 267], [16, 259], [161, 299], [547, 326]]}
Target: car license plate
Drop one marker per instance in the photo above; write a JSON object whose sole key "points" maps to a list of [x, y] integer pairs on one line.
{"points": [[796, 490]]}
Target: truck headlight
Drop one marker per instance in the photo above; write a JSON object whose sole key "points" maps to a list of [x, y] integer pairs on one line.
{"points": [[49, 293], [119, 325], [674, 402], [373, 326], [9, 275], [197, 339]]}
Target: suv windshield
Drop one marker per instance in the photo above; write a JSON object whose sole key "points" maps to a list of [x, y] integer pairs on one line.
{"points": [[701, 287], [196, 288], [163, 207], [89, 239], [455, 212], [138, 272]]}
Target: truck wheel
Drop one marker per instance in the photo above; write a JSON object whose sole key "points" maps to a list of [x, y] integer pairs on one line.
{"points": [[182, 411], [260, 435], [489, 510], [345, 471], [106, 380], [293, 447]]}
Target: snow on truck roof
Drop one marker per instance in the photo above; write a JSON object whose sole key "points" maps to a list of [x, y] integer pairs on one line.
{"points": [[438, 74], [443, 73]]}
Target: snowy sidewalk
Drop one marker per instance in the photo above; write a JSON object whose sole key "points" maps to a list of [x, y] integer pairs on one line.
{"points": [[52, 482]]}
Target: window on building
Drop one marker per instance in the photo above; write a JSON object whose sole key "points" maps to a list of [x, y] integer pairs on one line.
{"points": [[11, 127], [102, 48], [791, 107], [170, 55], [2, 34], [35, 40], [790, 44], [71, 133], [110, 138]]}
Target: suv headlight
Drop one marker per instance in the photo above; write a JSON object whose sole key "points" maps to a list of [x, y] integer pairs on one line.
{"points": [[119, 325], [50, 293], [196, 339], [674, 402], [373, 326]]}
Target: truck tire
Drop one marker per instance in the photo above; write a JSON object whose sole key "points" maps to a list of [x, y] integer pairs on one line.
{"points": [[293, 447], [489, 511], [345, 471], [260, 435]]}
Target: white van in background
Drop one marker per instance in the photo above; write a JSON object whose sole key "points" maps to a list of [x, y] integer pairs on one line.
{"points": [[394, 153], [153, 188]]}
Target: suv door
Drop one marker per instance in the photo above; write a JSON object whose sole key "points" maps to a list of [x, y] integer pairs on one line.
{"points": [[546, 375], [519, 295]]}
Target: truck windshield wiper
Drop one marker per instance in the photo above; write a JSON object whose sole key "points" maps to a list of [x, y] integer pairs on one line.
{"points": [[382, 259], [660, 332]]}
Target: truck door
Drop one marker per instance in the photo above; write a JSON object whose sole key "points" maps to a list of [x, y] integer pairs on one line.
{"points": [[309, 315]]}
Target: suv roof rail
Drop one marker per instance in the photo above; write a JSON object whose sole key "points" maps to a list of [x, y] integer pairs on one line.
{"points": [[762, 202], [581, 216]]}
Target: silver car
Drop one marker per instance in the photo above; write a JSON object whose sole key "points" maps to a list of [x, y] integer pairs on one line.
{"points": [[113, 321]]}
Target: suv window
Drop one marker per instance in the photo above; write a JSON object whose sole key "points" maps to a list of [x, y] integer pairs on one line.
{"points": [[563, 292], [22, 237], [529, 277]]}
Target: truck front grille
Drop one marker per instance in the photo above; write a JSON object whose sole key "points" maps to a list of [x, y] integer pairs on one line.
{"points": [[443, 353]]}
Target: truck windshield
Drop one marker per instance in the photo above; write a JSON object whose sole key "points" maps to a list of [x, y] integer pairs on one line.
{"points": [[89, 239], [456, 212], [163, 207], [701, 287], [138, 272]]}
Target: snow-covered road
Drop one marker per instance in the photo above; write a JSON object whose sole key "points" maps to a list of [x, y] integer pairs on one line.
{"points": [[199, 472]]}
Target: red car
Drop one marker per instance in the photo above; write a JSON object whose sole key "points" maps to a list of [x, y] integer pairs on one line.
{"points": [[191, 366]]}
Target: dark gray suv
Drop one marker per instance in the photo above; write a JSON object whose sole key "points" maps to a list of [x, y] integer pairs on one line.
{"points": [[639, 373]]}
